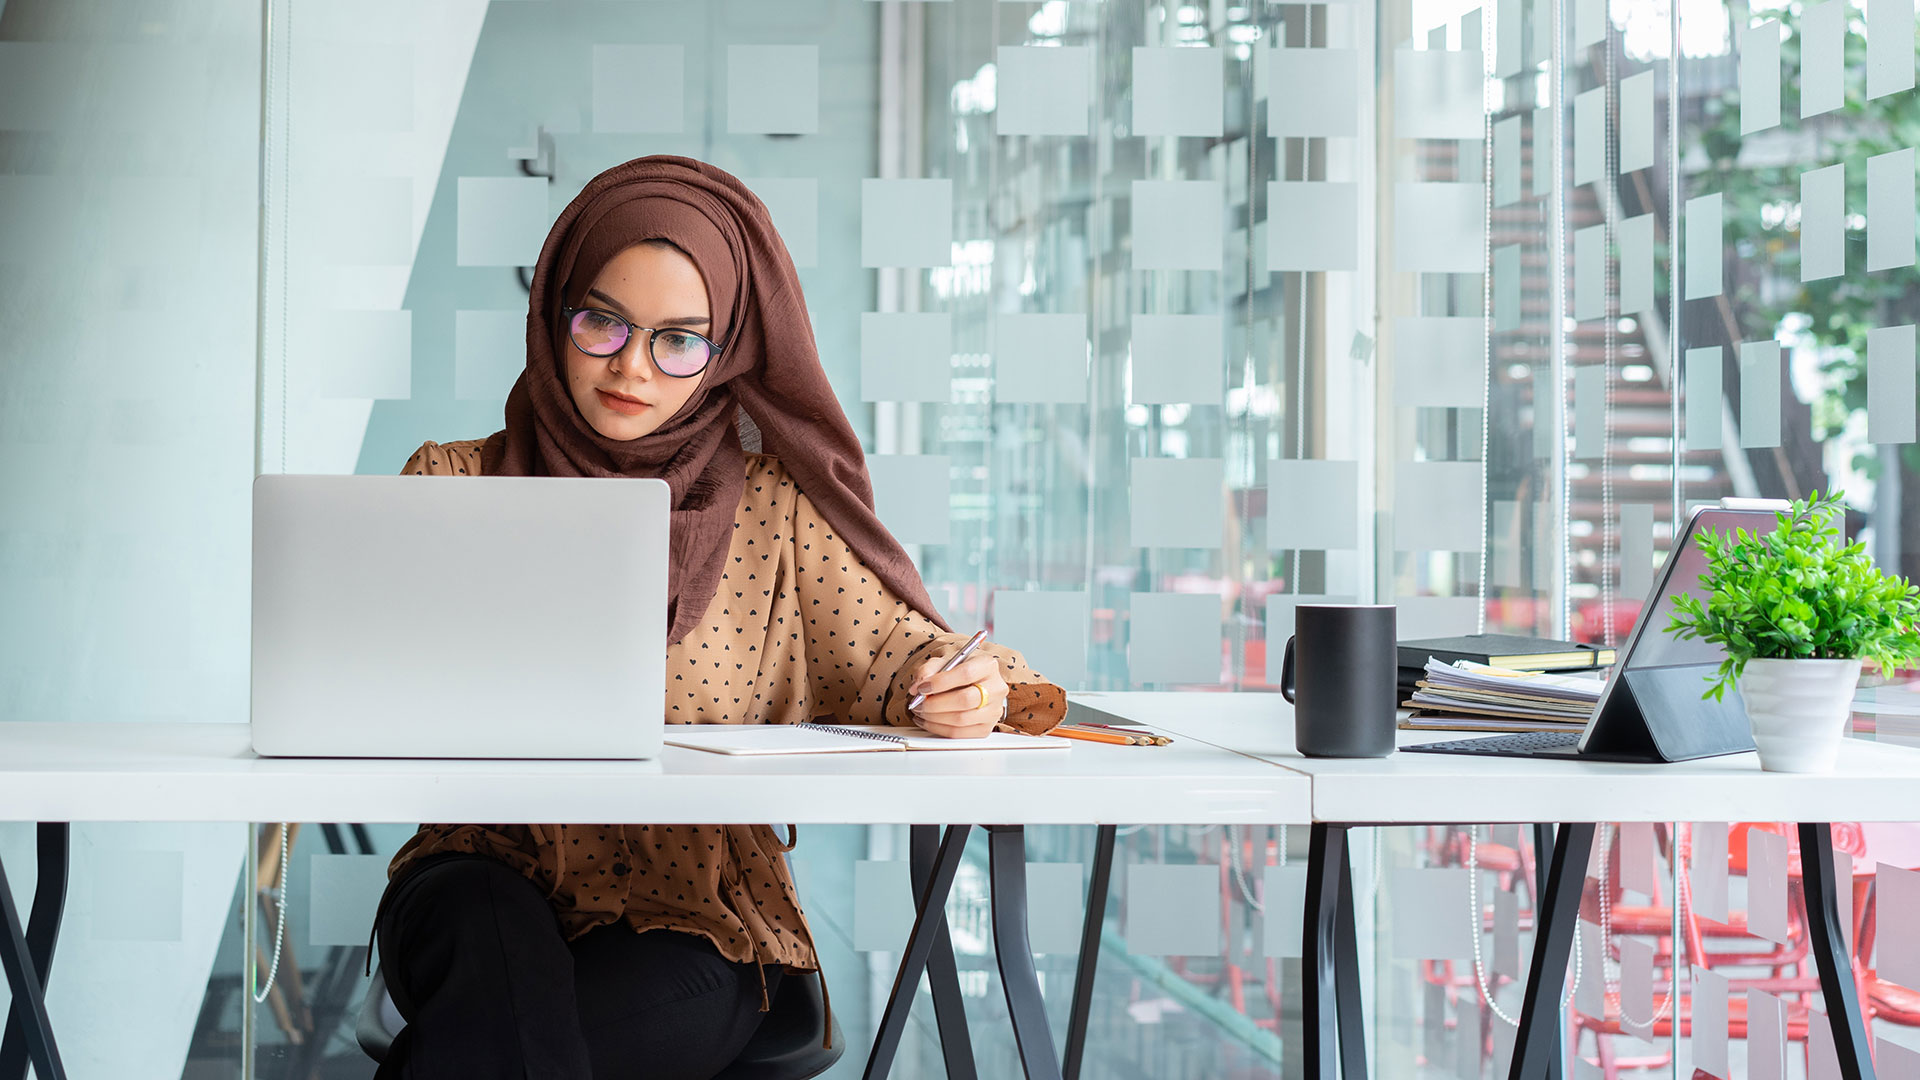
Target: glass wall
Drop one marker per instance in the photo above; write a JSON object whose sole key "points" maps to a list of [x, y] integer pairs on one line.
{"points": [[1155, 318]]}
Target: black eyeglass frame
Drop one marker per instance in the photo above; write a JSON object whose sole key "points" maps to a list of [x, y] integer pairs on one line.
{"points": [[714, 348]]}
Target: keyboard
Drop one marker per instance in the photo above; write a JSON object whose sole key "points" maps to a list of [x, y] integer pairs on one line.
{"points": [[1518, 744]]}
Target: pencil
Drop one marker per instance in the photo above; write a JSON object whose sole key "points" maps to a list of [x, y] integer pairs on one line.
{"points": [[1069, 732], [1145, 737]]}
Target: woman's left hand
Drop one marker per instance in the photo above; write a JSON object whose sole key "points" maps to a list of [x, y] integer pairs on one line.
{"points": [[953, 707]]}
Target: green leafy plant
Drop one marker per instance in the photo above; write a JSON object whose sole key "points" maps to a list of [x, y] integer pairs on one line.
{"points": [[1797, 593]]}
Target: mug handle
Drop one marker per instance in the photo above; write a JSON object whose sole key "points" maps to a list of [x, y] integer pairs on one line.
{"points": [[1286, 670]]}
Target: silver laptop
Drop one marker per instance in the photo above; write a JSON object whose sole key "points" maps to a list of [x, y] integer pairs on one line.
{"points": [[459, 617]]}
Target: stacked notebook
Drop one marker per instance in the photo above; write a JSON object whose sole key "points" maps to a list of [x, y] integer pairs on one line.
{"points": [[1465, 696], [1498, 650]]}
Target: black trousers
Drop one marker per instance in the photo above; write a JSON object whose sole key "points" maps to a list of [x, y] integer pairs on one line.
{"points": [[475, 962]]}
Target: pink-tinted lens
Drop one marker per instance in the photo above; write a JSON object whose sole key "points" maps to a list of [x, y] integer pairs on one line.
{"points": [[596, 333], [677, 352]]}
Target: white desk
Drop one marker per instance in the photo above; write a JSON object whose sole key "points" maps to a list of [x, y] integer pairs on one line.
{"points": [[1871, 782], [207, 772]]}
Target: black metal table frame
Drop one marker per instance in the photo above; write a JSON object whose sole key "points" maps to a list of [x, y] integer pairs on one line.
{"points": [[1330, 957]]}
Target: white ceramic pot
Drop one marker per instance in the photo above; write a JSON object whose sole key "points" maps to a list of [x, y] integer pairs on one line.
{"points": [[1799, 710]]}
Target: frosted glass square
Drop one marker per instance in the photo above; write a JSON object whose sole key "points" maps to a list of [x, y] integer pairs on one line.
{"points": [[1435, 616], [1636, 550], [1589, 22], [906, 223], [1506, 157], [1590, 135], [1545, 151], [1890, 214], [1178, 502], [367, 221], [359, 354], [1451, 230], [1896, 1062], [1636, 986], [1174, 638], [773, 89], [32, 77], [1760, 365], [1282, 608], [1049, 628], [138, 896], [1507, 58], [1635, 238], [1636, 122], [1823, 35], [1178, 91], [503, 221], [1507, 545], [1043, 90], [1823, 211], [1055, 898], [1312, 225], [1312, 505], [911, 493], [1283, 894], [1590, 987], [1889, 47], [1637, 871], [1590, 272], [489, 353], [1172, 910], [1506, 934], [906, 356], [343, 891], [1177, 359], [1704, 239], [1589, 411], [1823, 1060], [1440, 361], [1541, 17], [1890, 384], [1760, 77], [1766, 1036], [1707, 870], [882, 905], [1710, 994], [1428, 908], [1438, 93], [1767, 886], [1179, 224], [351, 86], [640, 89], [1313, 92], [1506, 287], [1704, 374], [794, 205], [1899, 937], [1040, 359], [1436, 506]]}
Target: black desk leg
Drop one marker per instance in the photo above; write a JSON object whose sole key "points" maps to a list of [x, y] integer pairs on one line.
{"points": [[943, 973], [1007, 874], [1556, 912], [930, 916], [1829, 943], [1346, 974], [1330, 963], [27, 957], [1090, 928], [1542, 858]]}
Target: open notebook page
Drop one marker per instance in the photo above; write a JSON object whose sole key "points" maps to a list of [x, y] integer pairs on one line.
{"points": [[915, 739]]}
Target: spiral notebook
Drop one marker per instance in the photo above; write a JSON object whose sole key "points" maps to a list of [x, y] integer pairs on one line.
{"points": [[753, 739]]}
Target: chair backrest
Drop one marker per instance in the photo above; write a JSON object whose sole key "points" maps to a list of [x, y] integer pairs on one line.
{"points": [[796, 1039], [379, 1021]]}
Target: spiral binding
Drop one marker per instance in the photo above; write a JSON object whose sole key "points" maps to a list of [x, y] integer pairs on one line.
{"points": [[856, 733]]}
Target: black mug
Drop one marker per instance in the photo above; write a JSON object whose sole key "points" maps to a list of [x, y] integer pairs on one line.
{"points": [[1348, 679]]}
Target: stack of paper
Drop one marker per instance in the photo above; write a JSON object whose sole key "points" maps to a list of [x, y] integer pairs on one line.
{"points": [[1469, 696]]}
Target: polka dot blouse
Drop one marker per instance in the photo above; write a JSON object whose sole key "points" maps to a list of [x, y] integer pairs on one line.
{"points": [[799, 627]]}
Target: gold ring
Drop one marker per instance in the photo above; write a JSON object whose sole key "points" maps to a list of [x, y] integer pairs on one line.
{"points": [[983, 696]]}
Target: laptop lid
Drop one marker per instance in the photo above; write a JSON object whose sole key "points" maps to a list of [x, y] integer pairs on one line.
{"points": [[415, 616], [1651, 708]]}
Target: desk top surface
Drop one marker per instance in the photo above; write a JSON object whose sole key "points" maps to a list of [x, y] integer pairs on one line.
{"points": [[1871, 782], [208, 772]]}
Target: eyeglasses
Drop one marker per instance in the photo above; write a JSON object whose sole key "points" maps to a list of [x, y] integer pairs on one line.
{"points": [[676, 352]]}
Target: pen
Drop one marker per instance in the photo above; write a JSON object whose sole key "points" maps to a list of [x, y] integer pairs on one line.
{"points": [[952, 662]]}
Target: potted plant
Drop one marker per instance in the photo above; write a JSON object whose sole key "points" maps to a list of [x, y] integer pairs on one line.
{"points": [[1797, 610]]}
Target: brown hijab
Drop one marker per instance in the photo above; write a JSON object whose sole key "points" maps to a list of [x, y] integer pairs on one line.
{"points": [[768, 366]]}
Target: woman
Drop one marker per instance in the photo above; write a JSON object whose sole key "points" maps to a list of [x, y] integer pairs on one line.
{"points": [[662, 306]]}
